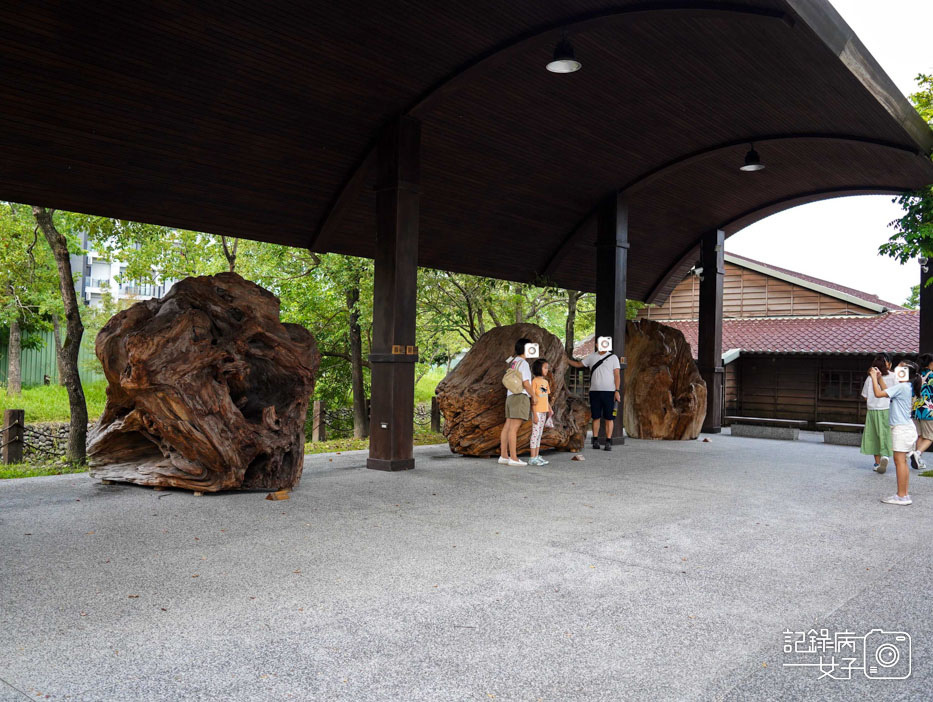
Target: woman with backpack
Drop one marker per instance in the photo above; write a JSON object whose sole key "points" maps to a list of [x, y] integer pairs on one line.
{"points": [[517, 381]]}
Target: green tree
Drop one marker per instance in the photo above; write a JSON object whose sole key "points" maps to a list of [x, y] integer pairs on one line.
{"points": [[913, 231], [62, 245], [28, 287], [913, 302]]}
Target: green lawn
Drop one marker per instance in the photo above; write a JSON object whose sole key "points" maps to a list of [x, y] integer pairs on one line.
{"points": [[424, 390], [49, 403], [422, 438], [25, 470]]}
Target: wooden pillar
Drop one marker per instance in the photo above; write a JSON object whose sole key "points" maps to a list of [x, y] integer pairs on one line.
{"points": [[394, 297], [926, 310], [611, 272], [435, 416], [14, 423], [709, 353], [318, 419]]}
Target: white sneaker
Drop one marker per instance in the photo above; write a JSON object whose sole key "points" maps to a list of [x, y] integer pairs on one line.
{"points": [[895, 500], [882, 465], [517, 463], [503, 461], [914, 459]]}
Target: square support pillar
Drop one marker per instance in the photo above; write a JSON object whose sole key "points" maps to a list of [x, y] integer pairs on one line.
{"points": [[394, 297], [709, 353], [611, 275], [926, 310]]}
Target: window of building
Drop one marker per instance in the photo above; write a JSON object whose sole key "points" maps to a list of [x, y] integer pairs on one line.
{"points": [[841, 385]]}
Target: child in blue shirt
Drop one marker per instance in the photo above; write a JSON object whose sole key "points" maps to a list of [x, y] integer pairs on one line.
{"points": [[903, 432]]}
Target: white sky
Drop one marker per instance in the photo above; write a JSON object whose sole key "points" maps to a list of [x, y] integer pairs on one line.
{"points": [[838, 240]]}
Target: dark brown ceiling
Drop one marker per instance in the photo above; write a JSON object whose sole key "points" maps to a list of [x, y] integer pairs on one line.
{"points": [[249, 118]]}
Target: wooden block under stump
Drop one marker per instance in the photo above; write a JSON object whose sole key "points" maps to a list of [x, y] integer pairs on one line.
{"points": [[278, 495], [198, 494], [158, 488], [106, 482]]}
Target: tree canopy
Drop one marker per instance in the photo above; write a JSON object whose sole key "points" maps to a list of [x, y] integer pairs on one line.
{"points": [[913, 231]]}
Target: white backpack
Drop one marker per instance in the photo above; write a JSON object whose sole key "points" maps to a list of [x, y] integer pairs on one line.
{"points": [[513, 378]]}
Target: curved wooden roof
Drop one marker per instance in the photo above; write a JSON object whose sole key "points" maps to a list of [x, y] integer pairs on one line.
{"points": [[258, 120]]}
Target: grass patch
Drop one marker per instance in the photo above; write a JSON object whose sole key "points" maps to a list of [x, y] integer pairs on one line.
{"points": [[49, 403], [424, 390], [926, 474], [422, 438], [28, 470]]}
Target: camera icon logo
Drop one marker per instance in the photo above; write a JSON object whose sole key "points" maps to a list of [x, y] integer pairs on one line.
{"points": [[532, 350], [604, 343], [887, 655]]}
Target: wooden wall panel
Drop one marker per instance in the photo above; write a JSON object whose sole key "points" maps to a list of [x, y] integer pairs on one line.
{"points": [[731, 395], [788, 387], [747, 293]]}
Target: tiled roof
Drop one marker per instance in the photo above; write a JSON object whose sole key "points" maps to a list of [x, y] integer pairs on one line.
{"points": [[894, 332], [818, 281]]}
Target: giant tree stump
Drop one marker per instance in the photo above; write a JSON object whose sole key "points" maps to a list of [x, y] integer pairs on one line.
{"points": [[472, 397], [665, 396], [208, 390]]}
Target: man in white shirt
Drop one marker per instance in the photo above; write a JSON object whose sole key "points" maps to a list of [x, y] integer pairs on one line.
{"points": [[605, 381]]}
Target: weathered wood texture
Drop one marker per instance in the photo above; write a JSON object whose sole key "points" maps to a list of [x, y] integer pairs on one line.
{"points": [[208, 390], [472, 397], [665, 397]]}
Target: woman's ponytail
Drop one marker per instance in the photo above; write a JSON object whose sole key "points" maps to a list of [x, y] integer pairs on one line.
{"points": [[915, 380]]}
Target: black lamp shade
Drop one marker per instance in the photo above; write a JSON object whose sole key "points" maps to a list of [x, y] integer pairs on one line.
{"points": [[564, 60], [752, 161]]}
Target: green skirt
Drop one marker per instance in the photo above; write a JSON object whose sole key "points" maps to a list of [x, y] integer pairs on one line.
{"points": [[876, 439]]}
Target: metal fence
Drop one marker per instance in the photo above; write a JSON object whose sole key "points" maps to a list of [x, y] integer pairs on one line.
{"points": [[41, 362]]}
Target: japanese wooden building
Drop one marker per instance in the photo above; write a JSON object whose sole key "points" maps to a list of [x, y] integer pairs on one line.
{"points": [[794, 346], [432, 134]]}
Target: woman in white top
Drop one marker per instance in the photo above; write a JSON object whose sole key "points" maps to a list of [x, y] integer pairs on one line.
{"points": [[876, 438], [517, 408]]}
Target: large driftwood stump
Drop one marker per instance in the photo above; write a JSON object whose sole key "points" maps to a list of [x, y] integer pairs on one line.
{"points": [[665, 397], [472, 397], [208, 390]]}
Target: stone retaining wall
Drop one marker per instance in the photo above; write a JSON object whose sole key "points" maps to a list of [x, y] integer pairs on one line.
{"points": [[46, 441]]}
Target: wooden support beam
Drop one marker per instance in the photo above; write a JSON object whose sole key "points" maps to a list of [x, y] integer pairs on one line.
{"points": [[709, 351], [318, 422], [926, 310], [394, 297], [14, 424], [611, 276]]}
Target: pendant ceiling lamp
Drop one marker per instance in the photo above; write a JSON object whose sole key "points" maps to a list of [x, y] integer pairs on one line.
{"points": [[752, 161], [564, 61]]}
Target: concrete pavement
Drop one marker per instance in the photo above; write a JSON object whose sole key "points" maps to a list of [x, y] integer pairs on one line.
{"points": [[661, 570]]}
